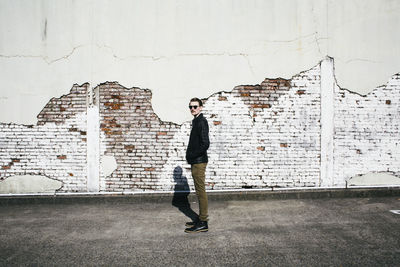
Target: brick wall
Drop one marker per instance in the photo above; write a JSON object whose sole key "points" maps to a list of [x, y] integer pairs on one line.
{"points": [[266, 135], [55, 147], [261, 136], [134, 135], [367, 131]]}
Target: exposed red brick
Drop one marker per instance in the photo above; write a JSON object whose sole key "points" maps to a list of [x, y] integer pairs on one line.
{"points": [[114, 106], [217, 122], [261, 148], [284, 145], [300, 92], [222, 98], [7, 167], [61, 157], [136, 125], [261, 106], [388, 102], [56, 109], [116, 132]]}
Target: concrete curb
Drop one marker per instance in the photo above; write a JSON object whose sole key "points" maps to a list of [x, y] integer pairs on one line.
{"points": [[251, 194]]}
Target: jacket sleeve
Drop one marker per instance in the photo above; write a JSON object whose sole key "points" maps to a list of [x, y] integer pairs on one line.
{"points": [[204, 140]]}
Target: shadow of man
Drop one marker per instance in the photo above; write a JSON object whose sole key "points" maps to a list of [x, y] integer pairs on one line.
{"points": [[181, 192]]}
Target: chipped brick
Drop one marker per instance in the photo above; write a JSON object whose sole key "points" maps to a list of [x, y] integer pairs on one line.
{"points": [[300, 92]]}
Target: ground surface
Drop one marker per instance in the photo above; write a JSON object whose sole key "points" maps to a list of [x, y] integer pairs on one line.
{"points": [[306, 232]]}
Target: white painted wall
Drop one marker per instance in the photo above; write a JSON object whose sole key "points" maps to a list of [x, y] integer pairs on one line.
{"points": [[179, 49]]}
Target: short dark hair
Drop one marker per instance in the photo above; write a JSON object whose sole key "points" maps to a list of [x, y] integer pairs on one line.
{"points": [[195, 99]]}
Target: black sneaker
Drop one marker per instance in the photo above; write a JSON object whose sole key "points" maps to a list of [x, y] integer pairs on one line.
{"points": [[200, 226]]}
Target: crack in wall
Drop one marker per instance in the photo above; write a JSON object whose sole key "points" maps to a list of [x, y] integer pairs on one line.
{"points": [[50, 61], [45, 58], [362, 60]]}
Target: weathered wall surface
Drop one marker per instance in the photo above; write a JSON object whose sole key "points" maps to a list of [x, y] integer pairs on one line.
{"points": [[367, 131], [134, 135], [186, 48], [264, 135], [182, 49], [55, 147]]}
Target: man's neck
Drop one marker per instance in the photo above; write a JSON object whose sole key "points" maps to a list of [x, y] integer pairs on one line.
{"points": [[197, 115]]}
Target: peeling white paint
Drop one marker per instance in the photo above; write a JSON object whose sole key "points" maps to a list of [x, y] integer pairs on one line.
{"points": [[29, 184]]}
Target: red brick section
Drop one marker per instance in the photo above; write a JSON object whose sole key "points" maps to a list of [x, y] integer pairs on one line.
{"points": [[262, 96], [134, 135], [59, 109]]}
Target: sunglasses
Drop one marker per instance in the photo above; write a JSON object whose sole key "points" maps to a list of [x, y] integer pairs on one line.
{"points": [[194, 107]]}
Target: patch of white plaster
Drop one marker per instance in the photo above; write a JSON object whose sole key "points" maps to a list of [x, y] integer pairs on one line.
{"points": [[29, 184], [108, 165], [374, 179]]}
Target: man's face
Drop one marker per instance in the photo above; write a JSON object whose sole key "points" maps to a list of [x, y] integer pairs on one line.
{"points": [[195, 108]]}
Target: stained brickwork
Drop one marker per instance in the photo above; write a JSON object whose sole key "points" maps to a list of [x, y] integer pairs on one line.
{"points": [[58, 110], [266, 135], [134, 135], [55, 147]]}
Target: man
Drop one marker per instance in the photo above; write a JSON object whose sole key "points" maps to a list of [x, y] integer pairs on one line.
{"points": [[196, 156]]}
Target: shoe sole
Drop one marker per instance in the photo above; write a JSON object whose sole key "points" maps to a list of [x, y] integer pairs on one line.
{"points": [[192, 232]]}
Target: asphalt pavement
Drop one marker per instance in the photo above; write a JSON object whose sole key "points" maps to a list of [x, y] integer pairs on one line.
{"points": [[358, 231]]}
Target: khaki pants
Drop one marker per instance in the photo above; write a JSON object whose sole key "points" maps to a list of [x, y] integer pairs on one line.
{"points": [[199, 177]]}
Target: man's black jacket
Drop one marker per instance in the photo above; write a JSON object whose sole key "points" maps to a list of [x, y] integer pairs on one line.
{"points": [[198, 142]]}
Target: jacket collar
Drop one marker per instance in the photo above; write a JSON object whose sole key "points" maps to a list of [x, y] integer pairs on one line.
{"points": [[198, 116]]}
